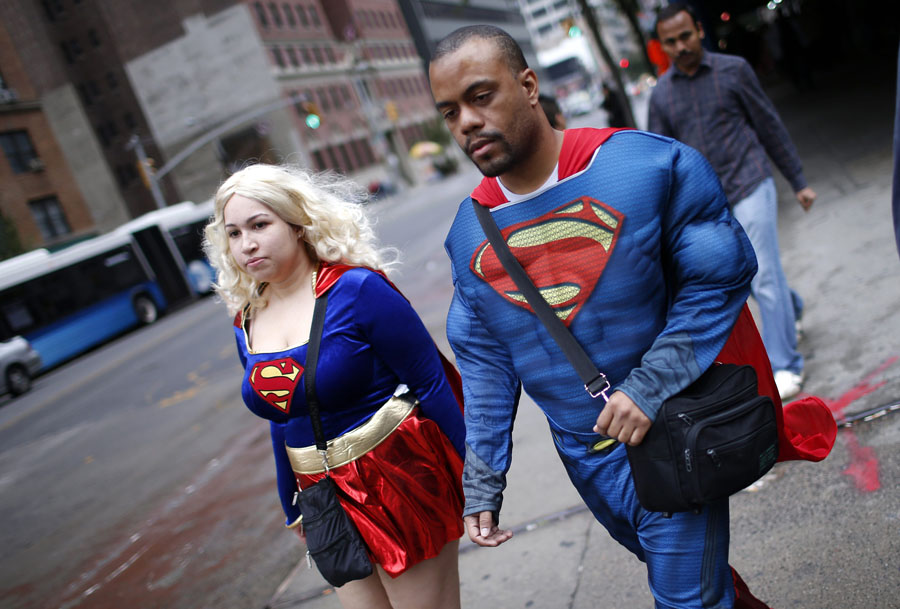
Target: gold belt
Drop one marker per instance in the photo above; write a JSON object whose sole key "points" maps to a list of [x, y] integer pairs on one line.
{"points": [[356, 442]]}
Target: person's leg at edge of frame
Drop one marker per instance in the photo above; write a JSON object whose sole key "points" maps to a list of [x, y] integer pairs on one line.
{"points": [[433, 583], [364, 594], [680, 575], [757, 214]]}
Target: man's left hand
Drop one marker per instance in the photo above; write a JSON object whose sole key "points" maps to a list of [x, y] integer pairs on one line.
{"points": [[806, 197], [623, 420]]}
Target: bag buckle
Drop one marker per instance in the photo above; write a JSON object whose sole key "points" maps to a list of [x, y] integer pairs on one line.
{"points": [[598, 387], [324, 454]]}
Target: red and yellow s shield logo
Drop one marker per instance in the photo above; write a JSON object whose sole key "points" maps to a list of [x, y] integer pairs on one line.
{"points": [[275, 381], [564, 253]]}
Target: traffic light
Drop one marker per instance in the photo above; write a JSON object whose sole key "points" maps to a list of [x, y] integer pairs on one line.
{"points": [[570, 28], [146, 169], [390, 109], [313, 117]]}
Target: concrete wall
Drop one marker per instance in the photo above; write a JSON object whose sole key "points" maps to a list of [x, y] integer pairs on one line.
{"points": [[217, 70], [195, 84], [75, 137]]}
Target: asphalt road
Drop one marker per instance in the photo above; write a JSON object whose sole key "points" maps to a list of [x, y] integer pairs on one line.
{"points": [[135, 477]]}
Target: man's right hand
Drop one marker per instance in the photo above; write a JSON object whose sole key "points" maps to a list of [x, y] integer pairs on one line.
{"points": [[483, 531]]}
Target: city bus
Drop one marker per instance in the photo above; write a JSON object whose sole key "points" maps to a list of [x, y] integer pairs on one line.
{"points": [[182, 228], [67, 301]]}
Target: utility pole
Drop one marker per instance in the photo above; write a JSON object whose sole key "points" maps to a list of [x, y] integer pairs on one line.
{"points": [[147, 170], [594, 27]]}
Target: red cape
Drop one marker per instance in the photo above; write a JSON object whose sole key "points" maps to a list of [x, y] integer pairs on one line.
{"points": [[806, 427], [329, 274]]}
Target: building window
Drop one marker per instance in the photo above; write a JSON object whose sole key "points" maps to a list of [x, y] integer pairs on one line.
{"points": [[307, 56], [68, 53], [319, 160], [317, 54], [261, 14], [93, 37], [314, 16], [323, 100], [49, 217], [278, 57], [301, 15], [292, 56], [335, 99], [329, 55], [332, 158], [112, 81], [276, 15], [128, 119], [289, 14], [19, 151], [53, 9], [347, 165], [86, 96]]}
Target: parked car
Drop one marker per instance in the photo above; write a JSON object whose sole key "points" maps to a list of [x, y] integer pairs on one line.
{"points": [[19, 362]]}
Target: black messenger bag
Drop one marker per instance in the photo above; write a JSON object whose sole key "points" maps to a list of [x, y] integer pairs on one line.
{"points": [[709, 441]]}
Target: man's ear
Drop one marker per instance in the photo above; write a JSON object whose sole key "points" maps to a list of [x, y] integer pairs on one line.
{"points": [[529, 81], [700, 31]]}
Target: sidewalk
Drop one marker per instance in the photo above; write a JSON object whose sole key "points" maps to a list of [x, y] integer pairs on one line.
{"points": [[841, 258]]}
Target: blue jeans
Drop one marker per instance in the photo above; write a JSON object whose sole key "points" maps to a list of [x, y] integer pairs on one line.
{"points": [[779, 305]]}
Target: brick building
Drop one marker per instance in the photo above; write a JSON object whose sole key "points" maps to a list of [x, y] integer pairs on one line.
{"points": [[204, 86], [38, 193]]}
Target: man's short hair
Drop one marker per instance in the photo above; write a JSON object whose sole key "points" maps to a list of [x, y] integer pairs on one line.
{"points": [[506, 44], [670, 10]]}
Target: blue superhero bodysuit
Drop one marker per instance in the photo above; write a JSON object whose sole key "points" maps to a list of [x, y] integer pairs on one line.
{"points": [[372, 341], [640, 256]]}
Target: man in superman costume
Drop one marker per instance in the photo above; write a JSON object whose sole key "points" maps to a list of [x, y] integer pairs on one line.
{"points": [[629, 238]]}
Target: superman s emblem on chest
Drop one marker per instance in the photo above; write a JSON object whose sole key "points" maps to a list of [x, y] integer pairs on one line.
{"points": [[563, 251], [275, 381]]}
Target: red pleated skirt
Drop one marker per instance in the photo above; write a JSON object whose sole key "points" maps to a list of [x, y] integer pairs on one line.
{"points": [[405, 496]]}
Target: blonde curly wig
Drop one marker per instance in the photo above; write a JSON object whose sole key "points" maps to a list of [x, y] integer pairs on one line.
{"points": [[327, 208]]}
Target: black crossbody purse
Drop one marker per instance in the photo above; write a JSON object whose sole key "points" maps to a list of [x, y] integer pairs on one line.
{"points": [[331, 538], [709, 441]]}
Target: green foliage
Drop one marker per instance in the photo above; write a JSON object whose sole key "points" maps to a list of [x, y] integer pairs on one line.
{"points": [[10, 245]]}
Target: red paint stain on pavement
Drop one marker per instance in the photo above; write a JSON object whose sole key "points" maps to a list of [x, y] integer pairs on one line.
{"points": [[863, 467], [862, 389]]}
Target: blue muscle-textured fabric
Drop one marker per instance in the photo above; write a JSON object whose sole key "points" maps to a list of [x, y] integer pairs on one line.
{"points": [[372, 341], [641, 256]]}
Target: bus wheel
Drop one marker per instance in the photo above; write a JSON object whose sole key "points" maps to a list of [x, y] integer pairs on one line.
{"points": [[146, 309], [18, 381]]}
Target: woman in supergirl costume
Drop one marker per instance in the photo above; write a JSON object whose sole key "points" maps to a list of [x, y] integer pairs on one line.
{"points": [[280, 238]]}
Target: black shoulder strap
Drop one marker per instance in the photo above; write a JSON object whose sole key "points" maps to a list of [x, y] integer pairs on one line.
{"points": [[594, 381], [309, 371]]}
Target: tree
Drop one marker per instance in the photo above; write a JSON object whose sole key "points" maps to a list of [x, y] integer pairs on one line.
{"points": [[10, 245]]}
